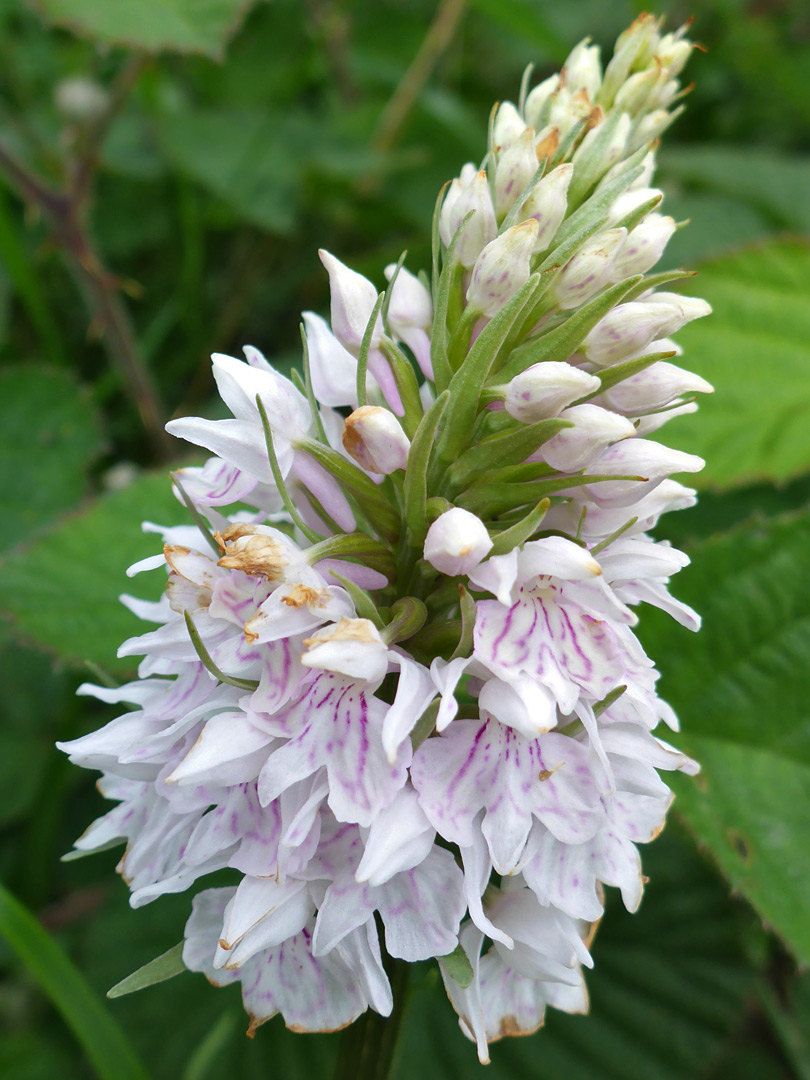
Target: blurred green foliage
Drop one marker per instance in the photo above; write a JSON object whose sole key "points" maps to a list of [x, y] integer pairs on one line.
{"points": [[204, 200]]}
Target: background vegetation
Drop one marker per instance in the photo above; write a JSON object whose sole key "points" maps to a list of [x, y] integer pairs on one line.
{"points": [[170, 204]]}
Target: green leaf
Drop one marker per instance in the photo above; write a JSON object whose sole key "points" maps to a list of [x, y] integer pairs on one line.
{"points": [[755, 350], [775, 184], [49, 437], [163, 967], [201, 26], [742, 690], [248, 158], [107, 1048], [63, 590]]}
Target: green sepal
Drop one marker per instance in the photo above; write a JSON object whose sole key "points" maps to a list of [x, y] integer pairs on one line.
{"points": [[449, 284], [466, 384], [163, 967], [363, 604], [353, 480], [564, 340], [390, 289], [355, 546], [409, 615], [457, 967], [611, 376], [613, 536], [567, 143], [608, 700], [506, 448], [199, 520], [365, 348], [425, 724], [467, 607], [415, 484], [487, 500], [208, 663], [652, 281], [407, 385], [289, 505], [521, 531], [589, 167], [309, 393], [436, 506], [436, 243]]}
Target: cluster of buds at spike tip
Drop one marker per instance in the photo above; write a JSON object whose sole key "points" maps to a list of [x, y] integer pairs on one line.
{"points": [[393, 682]]}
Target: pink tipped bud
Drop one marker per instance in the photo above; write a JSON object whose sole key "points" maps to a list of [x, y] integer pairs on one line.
{"points": [[456, 542], [502, 268], [594, 430], [542, 390], [630, 327], [590, 269], [353, 300], [644, 246], [374, 438], [547, 204], [470, 191]]}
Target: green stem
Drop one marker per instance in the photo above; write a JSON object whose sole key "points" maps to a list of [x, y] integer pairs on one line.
{"points": [[368, 1045]]}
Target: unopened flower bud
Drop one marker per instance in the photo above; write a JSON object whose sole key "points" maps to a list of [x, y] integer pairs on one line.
{"points": [[590, 269], [653, 388], [639, 91], [509, 125], [516, 166], [353, 648], [502, 268], [650, 127], [547, 204], [456, 542], [644, 246], [332, 368], [596, 156], [374, 438], [594, 430], [410, 302], [568, 109], [410, 314], [652, 461], [582, 70], [535, 108], [672, 52], [542, 390], [469, 191], [632, 326], [353, 300], [630, 46], [630, 201]]}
